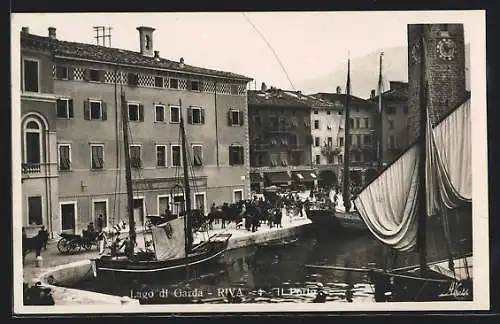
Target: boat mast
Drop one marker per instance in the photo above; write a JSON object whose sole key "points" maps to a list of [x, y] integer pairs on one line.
{"points": [[422, 221], [128, 172], [187, 190], [380, 151], [345, 181]]}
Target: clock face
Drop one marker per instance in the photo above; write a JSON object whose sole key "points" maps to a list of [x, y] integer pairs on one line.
{"points": [[415, 53], [446, 49]]}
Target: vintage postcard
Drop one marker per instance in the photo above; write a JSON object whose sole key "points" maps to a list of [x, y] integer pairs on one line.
{"points": [[249, 162]]}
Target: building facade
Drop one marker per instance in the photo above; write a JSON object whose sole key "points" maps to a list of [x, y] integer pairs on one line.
{"points": [[362, 156], [280, 138], [76, 105], [395, 133]]}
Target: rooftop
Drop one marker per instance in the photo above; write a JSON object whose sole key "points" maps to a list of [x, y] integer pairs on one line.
{"points": [[340, 98], [115, 56], [275, 97], [398, 91]]}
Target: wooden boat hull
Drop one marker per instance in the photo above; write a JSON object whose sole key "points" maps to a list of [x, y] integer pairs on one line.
{"points": [[327, 219], [409, 286], [108, 267]]}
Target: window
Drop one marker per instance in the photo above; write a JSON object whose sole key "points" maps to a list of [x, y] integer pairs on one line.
{"points": [[316, 141], [315, 112], [135, 156], [318, 159], [359, 139], [31, 76], [161, 155], [391, 124], [175, 116], [135, 112], [341, 141], [159, 113], [147, 42], [351, 123], [234, 89], [32, 142], [237, 195], [163, 204], [236, 155], [391, 142], [197, 155], [236, 117], [199, 201], [195, 85], [316, 124], [330, 141], [97, 156], [64, 151], [94, 75], [159, 82], [368, 139], [35, 210], [174, 83], [196, 115], [357, 123], [367, 122], [62, 72], [64, 108], [391, 110], [94, 110], [176, 155], [405, 110], [178, 204]]}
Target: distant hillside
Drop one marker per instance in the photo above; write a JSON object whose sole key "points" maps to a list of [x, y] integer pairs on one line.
{"points": [[364, 73]]}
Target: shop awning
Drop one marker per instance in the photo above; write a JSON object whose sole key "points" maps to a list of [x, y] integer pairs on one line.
{"points": [[278, 177], [304, 176]]}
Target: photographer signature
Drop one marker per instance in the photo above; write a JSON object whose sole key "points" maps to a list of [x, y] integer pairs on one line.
{"points": [[456, 290]]}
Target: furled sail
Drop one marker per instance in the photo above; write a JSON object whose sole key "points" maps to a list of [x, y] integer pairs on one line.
{"points": [[388, 205], [169, 240]]}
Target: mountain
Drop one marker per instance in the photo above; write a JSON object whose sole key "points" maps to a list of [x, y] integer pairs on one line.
{"points": [[365, 70]]}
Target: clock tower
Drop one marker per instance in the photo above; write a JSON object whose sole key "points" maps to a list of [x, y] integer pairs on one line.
{"points": [[444, 64]]}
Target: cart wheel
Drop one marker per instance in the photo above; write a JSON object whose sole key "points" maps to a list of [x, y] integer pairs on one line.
{"points": [[63, 246], [87, 246], [74, 246]]}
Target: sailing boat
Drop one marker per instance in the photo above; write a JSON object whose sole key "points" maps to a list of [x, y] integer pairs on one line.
{"points": [[172, 247], [423, 197], [329, 216]]}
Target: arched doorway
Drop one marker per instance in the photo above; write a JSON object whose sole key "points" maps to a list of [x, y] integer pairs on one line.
{"points": [[327, 179]]}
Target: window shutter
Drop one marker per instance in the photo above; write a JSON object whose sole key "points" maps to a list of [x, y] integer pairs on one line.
{"points": [[70, 108], [70, 73], [242, 117], [104, 108], [86, 110], [202, 112], [141, 112], [86, 75], [190, 115], [231, 149], [229, 121], [242, 155], [101, 75]]}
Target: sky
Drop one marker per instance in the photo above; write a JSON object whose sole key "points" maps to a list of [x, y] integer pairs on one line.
{"points": [[308, 44]]}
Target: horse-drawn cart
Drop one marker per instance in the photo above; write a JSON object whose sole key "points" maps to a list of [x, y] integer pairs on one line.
{"points": [[71, 243]]}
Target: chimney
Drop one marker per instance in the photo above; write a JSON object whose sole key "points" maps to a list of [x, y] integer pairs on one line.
{"points": [[263, 86], [25, 30], [146, 40], [52, 32], [372, 94], [339, 90], [157, 55], [181, 63]]}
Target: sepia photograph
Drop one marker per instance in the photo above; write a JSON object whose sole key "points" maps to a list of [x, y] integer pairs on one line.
{"points": [[249, 162]]}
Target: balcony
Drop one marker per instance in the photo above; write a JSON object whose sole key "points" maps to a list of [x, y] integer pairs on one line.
{"points": [[30, 168]]}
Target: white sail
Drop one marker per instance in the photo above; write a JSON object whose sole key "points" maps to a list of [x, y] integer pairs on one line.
{"points": [[388, 205], [169, 240]]}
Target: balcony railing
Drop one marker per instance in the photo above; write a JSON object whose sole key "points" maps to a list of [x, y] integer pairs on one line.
{"points": [[30, 168]]}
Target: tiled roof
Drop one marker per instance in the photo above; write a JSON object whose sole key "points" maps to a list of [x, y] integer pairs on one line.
{"points": [[114, 56], [275, 97], [396, 93], [341, 97]]}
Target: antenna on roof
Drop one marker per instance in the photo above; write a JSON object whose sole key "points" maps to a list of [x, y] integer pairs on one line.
{"points": [[102, 34]]}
